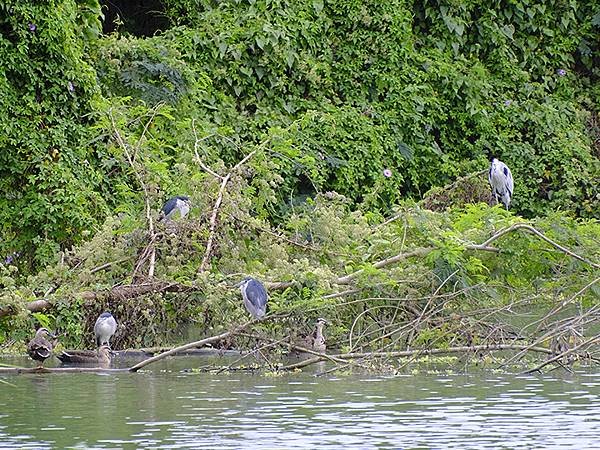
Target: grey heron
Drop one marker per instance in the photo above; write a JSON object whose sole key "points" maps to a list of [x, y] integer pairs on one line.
{"points": [[105, 327], [501, 181], [40, 347], [179, 203], [255, 296]]}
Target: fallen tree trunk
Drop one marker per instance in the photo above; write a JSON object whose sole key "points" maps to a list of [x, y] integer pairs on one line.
{"points": [[116, 293], [21, 370], [34, 306], [418, 352], [136, 290]]}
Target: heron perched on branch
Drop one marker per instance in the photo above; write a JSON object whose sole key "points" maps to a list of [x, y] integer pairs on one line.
{"points": [[105, 327], [501, 181], [179, 203], [255, 296], [40, 347]]}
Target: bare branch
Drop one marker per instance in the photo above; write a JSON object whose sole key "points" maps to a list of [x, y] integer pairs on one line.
{"points": [[585, 343], [419, 352], [386, 262], [527, 227], [213, 224], [199, 343], [198, 159], [215, 213]]}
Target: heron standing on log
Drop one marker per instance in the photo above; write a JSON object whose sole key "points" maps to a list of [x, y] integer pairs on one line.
{"points": [[105, 327]]}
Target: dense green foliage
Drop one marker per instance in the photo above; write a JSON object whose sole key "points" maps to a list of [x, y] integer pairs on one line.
{"points": [[350, 107], [348, 88], [50, 178], [324, 240], [429, 91]]}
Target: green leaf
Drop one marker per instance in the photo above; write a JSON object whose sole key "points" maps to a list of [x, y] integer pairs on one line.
{"points": [[406, 151], [42, 319]]}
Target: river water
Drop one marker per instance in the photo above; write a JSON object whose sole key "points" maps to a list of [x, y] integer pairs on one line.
{"points": [[167, 407]]}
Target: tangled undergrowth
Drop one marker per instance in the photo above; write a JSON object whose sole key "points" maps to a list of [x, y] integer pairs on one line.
{"points": [[468, 277]]}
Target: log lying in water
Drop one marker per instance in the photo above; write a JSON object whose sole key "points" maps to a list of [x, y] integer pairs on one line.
{"points": [[44, 370]]}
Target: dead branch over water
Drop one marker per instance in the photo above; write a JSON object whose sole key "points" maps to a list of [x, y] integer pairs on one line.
{"points": [[195, 344]]}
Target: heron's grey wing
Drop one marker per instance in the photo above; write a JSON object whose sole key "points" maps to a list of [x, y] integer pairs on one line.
{"points": [[256, 293], [509, 183], [169, 206]]}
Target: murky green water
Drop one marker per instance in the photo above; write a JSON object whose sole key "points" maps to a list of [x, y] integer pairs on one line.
{"points": [[168, 408]]}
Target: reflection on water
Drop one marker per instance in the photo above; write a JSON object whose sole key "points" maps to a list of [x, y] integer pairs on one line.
{"points": [[168, 408]]}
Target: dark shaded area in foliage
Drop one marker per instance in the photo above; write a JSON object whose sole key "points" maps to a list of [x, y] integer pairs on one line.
{"points": [[136, 17]]}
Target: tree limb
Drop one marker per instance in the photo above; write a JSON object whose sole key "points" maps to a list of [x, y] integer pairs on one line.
{"points": [[136, 290], [34, 306], [213, 223], [542, 236], [386, 262], [199, 343], [418, 352], [585, 343]]}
